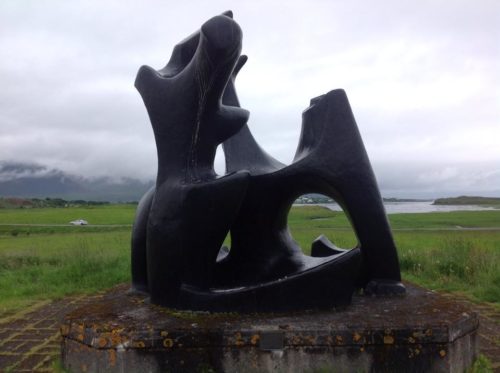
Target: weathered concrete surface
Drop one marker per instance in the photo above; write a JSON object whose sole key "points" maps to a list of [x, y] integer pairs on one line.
{"points": [[421, 332]]}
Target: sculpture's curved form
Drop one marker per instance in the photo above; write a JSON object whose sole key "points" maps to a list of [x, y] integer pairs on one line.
{"points": [[181, 223]]}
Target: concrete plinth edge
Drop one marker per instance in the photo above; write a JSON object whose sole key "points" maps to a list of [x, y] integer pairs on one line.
{"points": [[423, 332]]}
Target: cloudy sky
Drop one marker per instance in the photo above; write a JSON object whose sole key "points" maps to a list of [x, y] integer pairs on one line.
{"points": [[423, 79]]}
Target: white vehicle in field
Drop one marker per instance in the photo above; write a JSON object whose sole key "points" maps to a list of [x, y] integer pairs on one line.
{"points": [[79, 222]]}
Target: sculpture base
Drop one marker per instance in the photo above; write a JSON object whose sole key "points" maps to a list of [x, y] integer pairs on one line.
{"points": [[420, 332]]}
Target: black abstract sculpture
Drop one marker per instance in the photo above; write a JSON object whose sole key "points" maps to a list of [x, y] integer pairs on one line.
{"points": [[182, 222]]}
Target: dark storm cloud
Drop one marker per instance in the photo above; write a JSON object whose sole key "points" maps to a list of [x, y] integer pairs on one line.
{"points": [[433, 180], [422, 78]]}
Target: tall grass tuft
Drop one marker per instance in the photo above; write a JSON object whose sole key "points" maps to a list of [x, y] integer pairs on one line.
{"points": [[456, 262]]}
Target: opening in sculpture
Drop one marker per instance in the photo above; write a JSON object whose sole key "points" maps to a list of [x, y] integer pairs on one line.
{"points": [[178, 256]]}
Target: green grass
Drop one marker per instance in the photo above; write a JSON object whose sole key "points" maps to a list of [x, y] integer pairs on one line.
{"points": [[465, 262], [452, 219], [481, 365], [320, 217], [28, 230], [52, 266], [461, 261], [108, 214], [39, 262]]}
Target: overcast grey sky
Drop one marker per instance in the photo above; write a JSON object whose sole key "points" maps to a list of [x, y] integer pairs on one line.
{"points": [[423, 79]]}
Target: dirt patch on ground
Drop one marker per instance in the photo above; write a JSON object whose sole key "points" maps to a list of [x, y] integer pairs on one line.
{"points": [[30, 339]]}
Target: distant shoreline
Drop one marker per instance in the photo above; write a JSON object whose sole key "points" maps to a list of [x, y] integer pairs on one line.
{"points": [[308, 199], [392, 207], [468, 200], [407, 200]]}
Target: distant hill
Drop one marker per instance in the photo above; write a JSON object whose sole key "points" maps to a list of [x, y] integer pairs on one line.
{"points": [[467, 200], [29, 180], [29, 203], [406, 200]]}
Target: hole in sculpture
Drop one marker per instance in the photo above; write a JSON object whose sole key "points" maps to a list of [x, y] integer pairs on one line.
{"points": [[220, 161], [314, 215], [224, 250], [220, 169]]}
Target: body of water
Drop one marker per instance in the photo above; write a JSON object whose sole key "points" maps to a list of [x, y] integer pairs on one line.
{"points": [[415, 207]]}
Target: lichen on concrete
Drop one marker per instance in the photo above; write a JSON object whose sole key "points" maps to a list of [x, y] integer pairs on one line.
{"points": [[423, 330]]}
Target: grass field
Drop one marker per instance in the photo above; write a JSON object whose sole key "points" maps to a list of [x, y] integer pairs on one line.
{"points": [[47, 262], [462, 261], [107, 214]]}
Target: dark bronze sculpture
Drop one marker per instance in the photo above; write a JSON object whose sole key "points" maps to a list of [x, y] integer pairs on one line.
{"points": [[181, 223]]}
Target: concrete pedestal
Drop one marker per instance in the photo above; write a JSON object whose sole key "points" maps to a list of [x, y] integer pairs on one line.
{"points": [[423, 332]]}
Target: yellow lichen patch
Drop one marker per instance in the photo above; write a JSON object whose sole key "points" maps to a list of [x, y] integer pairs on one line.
{"points": [[442, 353], [138, 344], [418, 335], [356, 337], [339, 339], [64, 330], [168, 342], [163, 333], [255, 339], [116, 339], [239, 341], [311, 339], [388, 339], [112, 357], [102, 342]]}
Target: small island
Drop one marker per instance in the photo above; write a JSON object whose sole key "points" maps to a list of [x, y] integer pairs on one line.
{"points": [[313, 198], [468, 200]]}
